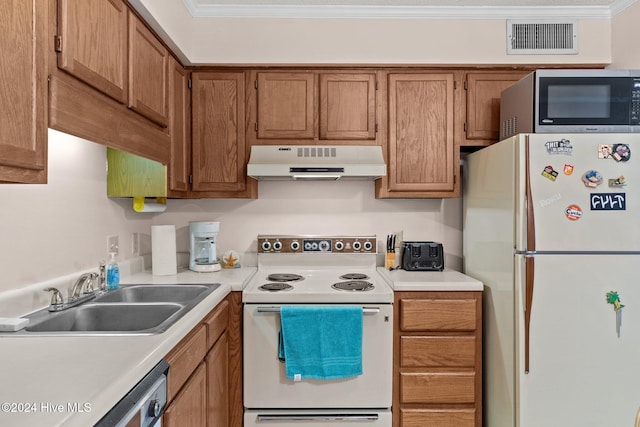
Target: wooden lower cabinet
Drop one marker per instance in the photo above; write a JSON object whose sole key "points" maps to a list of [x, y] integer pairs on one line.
{"points": [[202, 381], [437, 379], [189, 407]]}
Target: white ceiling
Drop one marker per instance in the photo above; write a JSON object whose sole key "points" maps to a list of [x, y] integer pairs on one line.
{"points": [[407, 8]]}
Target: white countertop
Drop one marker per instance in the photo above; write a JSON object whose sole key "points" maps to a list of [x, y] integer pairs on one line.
{"points": [[446, 280], [42, 376]]}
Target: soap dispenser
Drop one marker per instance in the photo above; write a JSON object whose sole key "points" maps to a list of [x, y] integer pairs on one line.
{"points": [[113, 273]]}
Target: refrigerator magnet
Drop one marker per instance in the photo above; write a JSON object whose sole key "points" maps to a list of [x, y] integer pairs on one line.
{"points": [[573, 212], [614, 299], [592, 179], [568, 169], [562, 146], [618, 182], [621, 152], [549, 173], [605, 151]]}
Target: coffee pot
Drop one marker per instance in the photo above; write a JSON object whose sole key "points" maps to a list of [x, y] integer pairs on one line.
{"points": [[202, 244]]}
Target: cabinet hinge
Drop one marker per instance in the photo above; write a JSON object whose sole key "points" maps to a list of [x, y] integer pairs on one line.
{"points": [[58, 43], [376, 128], [466, 85], [189, 83], [190, 179], [255, 84], [376, 85]]}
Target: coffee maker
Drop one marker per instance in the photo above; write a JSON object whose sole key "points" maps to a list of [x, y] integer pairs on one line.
{"points": [[202, 244]]}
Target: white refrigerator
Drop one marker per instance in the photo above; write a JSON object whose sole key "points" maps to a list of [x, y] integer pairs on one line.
{"points": [[552, 228]]}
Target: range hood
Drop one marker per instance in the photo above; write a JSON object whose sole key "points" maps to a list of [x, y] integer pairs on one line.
{"points": [[316, 162]]}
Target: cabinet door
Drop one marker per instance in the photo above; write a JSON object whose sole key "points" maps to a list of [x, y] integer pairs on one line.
{"points": [[422, 153], [286, 105], [179, 129], [189, 408], [218, 383], [219, 152], [93, 44], [148, 71], [347, 106], [483, 105], [23, 91]]}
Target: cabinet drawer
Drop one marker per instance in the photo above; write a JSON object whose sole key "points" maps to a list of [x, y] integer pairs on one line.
{"points": [[440, 351], [438, 314], [437, 418], [217, 323], [437, 387], [184, 359]]}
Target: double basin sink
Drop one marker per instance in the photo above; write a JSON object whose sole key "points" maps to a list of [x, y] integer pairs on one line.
{"points": [[129, 310]]}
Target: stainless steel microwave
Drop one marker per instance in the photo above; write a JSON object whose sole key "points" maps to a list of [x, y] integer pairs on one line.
{"points": [[572, 101]]}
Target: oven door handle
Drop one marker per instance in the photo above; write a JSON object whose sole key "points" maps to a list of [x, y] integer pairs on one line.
{"points": [[318, 417], [277, 309]]}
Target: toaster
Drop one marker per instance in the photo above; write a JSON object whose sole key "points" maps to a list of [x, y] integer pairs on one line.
{"points": [[422, 256]]}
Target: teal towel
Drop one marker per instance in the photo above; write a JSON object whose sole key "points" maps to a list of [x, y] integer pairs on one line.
{"points": [[321, 342]]}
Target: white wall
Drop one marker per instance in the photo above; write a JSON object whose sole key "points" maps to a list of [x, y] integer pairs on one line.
{"points": [[59, 228], [325, 208], [625, 35]]}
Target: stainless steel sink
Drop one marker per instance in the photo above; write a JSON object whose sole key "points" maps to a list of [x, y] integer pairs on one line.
{"points": [[131, 310], [156, 293], [140, 318]]}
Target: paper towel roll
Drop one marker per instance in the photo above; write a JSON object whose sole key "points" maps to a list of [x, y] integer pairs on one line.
{"points": [[163, 250]]}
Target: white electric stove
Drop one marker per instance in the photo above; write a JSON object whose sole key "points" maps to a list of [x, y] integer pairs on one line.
{"points": [[313, 270]]}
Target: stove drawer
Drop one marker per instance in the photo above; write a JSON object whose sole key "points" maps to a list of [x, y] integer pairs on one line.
{"points": [[321, 417]]}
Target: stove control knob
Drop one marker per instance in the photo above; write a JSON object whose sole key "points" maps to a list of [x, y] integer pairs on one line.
{"points": [[314, 246], [368, 245], [324, 245], [307, 246], [277, 245], [266, 246], [357, 246], [339, 245], [295, 245]]}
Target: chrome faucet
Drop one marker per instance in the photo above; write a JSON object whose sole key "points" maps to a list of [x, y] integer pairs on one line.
{"points": [[85, 281], [82, 291]]}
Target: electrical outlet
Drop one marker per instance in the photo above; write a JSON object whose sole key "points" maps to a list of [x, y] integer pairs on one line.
{"points": [[135, 244], [113, 244]]}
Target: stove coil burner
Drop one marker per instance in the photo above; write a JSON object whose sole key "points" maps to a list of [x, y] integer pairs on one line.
{"points": [[275, 287], [353, 285], [284, 277], [354, 276]]}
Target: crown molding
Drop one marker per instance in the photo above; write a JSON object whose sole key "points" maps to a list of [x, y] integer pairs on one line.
{"points": [[202, 10]]}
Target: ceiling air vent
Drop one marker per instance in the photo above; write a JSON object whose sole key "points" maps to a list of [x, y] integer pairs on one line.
{"points": [[542, 37]]}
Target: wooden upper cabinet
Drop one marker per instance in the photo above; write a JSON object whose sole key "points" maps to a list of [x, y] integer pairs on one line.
{"points": [[148, 73], [286, 107], [218, 146], [23, 91], [347, 106], [422, 155], [313, 106], [179, 129], [92, 44], [483, 105]]}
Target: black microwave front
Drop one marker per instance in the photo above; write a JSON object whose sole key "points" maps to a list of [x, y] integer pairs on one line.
{"points": [[572, 101]]}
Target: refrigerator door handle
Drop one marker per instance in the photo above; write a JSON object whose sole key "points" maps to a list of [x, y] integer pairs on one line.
{"points": [[531, 228], [529, 283]]}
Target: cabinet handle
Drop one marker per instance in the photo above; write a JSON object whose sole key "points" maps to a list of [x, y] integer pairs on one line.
{"points": [[277, 309]]}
